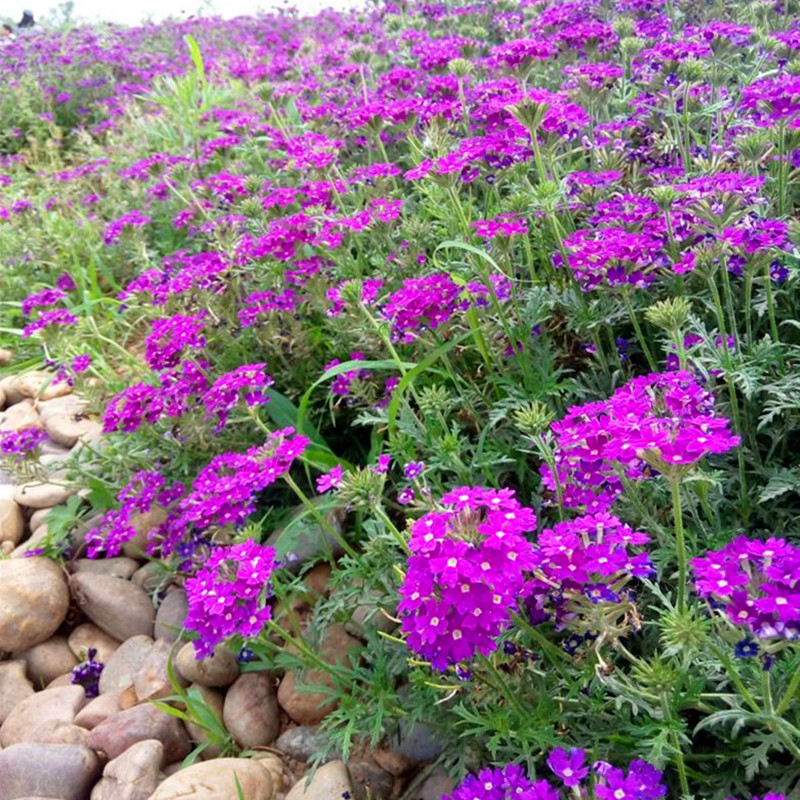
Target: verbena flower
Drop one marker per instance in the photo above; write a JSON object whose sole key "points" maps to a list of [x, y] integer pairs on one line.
{"points": [[228, 595], [246, 382], [171, 336], [59, 316], [570, 766], [22, 443], [116, 526], [755, 585], [87, 674], [582, 572], [664, 422], [641, 781], [131, 219], [42, 299], [465, 574], [224, 491], [332, 480]]}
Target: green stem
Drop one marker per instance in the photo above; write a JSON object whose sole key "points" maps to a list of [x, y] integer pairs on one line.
{"points": [[781, 169], [639, 334], [737, 420], [554, 654], [680, 543], [676, 745], [773, 323], [504, 687], [791, 692], [766, 690], [730, 668], [318, 516], [748, 303], [384, 517], [547, 454]]}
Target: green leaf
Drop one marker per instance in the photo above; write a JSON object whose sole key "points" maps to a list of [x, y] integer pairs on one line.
{"points": [[780, 483], [100, 496], [407, 379], [197, 58], [347, 366], [283, 412]]}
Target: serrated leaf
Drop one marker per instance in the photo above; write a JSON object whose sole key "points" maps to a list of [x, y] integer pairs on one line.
{"points": [[780, 483]]}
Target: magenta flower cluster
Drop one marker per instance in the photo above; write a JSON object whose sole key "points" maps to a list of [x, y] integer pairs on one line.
{"points": [[755, 585], [465, 574], [118, 526], [22, 443], [228, 595], [641, 781], [588, 560], [664, 422]]}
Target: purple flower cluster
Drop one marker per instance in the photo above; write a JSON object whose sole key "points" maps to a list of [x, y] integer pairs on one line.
{"points": [[87, 674], [59, 316], [224, 491], [228, 595], [755, 585], [663, 422], [22, 443], [178, 391], [465, 574], [611, 256], [583, 563], [171, 336], [641, 781], [42, 299], [131, 219], [118, 526], [248, 381]]}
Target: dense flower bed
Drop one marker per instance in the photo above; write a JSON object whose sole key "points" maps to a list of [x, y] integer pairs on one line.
{"points": [[501, 298]]}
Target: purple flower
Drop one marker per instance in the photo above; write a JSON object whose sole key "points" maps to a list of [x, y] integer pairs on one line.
{"points": [[131, 219], [81, 363], [465, 574], [663, 421], [65, 283], [413, 469], [570, 766], [228, 595], [753, 584], [382, 467], [169, 338], [21, 443], [87, 674], [41, 299], [248, 381], [333, 480], [58, 316], [406, 496]]}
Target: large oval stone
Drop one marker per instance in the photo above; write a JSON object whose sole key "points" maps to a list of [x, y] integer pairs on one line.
{"points": [[33, 602], [251, 712], [64, 771], [46, 661], [14, 687], [133, 775], [58, 704], [219, 669], [330, 781], [216, 780], [121, 609], [117, 733], [12, 523]]}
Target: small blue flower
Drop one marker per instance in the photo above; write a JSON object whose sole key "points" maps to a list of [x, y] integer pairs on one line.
{"points": [[746, 648]]}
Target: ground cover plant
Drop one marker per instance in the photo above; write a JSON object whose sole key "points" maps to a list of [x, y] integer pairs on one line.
{"points": [[498, 303]]}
